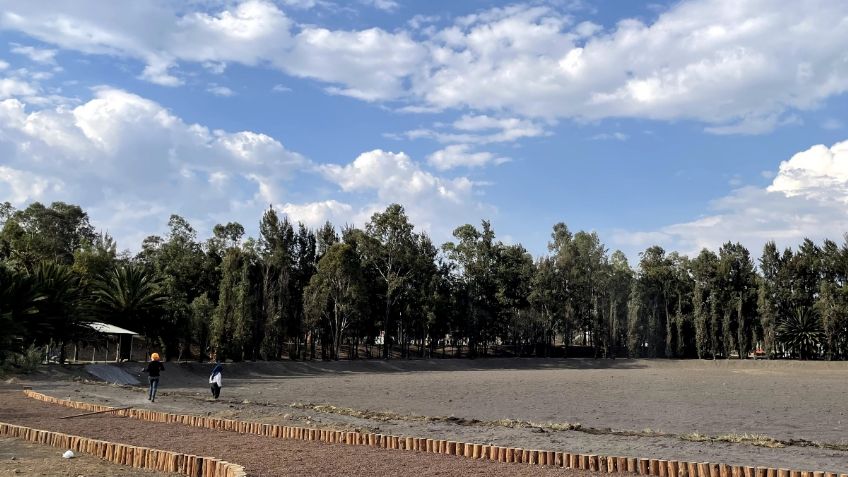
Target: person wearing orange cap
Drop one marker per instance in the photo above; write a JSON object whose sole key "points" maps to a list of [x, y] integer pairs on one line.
{"points": [[152, 369]]}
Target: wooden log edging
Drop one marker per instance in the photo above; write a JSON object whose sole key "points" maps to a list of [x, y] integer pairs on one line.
{"points": [[592, 462], [127, 455]]}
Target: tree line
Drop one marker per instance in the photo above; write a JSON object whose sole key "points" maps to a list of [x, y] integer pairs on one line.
{"points": [[386, 290]]}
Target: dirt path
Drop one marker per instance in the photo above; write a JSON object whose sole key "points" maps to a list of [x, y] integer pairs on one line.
{"points": [[260, 456], [24, 459]]}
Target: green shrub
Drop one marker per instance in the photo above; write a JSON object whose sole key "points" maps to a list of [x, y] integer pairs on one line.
{"points": [[24, 362]]}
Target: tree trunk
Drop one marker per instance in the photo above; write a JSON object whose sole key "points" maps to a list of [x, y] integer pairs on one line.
{"points": [[386, 327]]}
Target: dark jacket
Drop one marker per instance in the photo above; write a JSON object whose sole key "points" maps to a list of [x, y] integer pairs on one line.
{"points": [[153, 368]]}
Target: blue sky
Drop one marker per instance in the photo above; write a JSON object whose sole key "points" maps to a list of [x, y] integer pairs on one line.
{"points": [[684, 124]]}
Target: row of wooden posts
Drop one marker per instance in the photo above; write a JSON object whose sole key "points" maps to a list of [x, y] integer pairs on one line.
{"points": [[591, 462], [131, 456]]}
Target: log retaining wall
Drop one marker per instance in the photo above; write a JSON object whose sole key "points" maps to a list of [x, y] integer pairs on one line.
{"points": [[127, 455]]}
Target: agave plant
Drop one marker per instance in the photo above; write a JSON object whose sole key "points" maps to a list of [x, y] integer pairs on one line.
{"points": [[801, 332]]}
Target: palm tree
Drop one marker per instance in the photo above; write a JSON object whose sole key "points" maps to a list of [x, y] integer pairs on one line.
{"points": [[128, 295], [19, 301], [60, 311], [801, 332]]}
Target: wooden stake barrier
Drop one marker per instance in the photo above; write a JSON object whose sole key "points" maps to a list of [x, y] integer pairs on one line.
{"points": [[124, 454], [714, 470], [673, 469], [692, 469]]}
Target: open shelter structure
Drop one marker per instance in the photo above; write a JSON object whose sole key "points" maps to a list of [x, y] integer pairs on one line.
{"points": [[123, 339]]}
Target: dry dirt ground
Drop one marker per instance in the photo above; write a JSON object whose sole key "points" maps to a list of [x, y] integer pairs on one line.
{"points": [[23, 459], [657, 408], [261, 456]]}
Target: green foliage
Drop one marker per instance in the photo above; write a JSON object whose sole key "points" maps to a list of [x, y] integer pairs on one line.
{"points": [[388, 246], [60, 311], [334, 296], [39, 233], [801, 333], [95, 257], [202, 310], [223, 320], [24, 361], [19, 300], [183, 273], [293, 291], [475, 260], [279, 312], [129, 296], [28, 361]]}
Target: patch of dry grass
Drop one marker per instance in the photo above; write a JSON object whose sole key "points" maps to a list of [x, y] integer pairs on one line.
{"points": [[385, 416], [758, 440]]}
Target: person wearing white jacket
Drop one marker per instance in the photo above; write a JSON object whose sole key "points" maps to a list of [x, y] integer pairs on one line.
{"points": [[215, 380]]}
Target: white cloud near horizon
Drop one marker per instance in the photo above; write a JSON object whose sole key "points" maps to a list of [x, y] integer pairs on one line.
{"points": [[807, 198], [434, 203], [130, 163], [315, 214], [737, 67]]}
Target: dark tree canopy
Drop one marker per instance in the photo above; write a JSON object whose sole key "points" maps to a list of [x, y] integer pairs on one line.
{"points": [[386, 290]]}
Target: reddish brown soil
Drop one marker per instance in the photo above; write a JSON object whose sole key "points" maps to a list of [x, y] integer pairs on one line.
{"points": [[24, 459], [260, 456]]}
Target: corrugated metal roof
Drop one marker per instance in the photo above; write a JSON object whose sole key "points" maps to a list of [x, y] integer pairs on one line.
{"points": [[109, 329]]}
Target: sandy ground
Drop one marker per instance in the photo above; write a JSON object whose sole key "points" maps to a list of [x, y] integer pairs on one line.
{"points": [[19, 458], [783, 400], [261, 456]]}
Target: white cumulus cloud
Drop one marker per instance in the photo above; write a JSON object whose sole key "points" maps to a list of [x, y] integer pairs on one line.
{"points": [[461, 155], [39, 55], [385, 5], [738, 67], [315, 214], [10, 87], [219, 90], [806, 199], [131, 162], [819, 173], [434, 203], [369, 64], [719, 61]]}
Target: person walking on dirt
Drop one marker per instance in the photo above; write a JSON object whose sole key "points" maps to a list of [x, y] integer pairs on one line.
{"points": [[153, 368], [215, 380]]}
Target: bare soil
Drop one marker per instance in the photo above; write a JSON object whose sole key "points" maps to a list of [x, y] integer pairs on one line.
{"points": [[24, 459], [261, 456], [657, 408]]}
